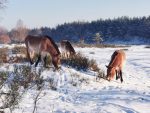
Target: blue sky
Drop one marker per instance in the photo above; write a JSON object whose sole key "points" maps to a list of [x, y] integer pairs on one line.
{"points": [[37, 13]]}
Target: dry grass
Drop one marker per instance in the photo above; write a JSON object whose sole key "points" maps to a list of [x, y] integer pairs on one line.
{"points": [[14, 55], [4, 54], [99, 45], [19, 50]]}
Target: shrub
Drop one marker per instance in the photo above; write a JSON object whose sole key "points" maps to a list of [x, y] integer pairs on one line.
{"points": [[4, 53], [11, 56], [21, 76], [78, 62], [19, 50]]}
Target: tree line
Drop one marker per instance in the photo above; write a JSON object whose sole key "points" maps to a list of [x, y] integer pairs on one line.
{"points": [[124, 29]]}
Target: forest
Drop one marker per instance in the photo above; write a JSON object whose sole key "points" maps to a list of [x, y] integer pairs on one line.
{"points": [[121, 30], [118, 30]]}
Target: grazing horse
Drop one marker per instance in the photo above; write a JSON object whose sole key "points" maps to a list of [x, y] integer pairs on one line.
{"points": [[42, 45], [116, 65], [67, 49]]}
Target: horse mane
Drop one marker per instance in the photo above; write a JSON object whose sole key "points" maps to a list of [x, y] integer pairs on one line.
{"points": [[113, 57], [54, 44]]}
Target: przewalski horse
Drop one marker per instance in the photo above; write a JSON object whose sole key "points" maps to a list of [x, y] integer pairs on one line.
{"points": [[116, 65], [42, 45], [67, 49]]}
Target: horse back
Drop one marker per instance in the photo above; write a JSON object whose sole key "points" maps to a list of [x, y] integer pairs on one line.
{"points": [[67, 46], [41, 43], [33, 43], [117, 59], [53, 44]]}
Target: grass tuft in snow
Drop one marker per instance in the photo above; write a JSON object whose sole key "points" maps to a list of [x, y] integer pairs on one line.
{"points": [[52, 84], [100, 74]]}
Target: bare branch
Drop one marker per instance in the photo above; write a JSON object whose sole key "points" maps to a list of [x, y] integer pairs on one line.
{"points": [[36, 100], [2, 4]]}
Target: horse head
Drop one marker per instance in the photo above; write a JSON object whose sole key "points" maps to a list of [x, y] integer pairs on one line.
{"points": [[110, 72]]}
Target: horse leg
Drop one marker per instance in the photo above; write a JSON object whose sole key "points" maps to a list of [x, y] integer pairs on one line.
{"points": [[45, 61], [121, 76], [39, 58], [28, 55], [64, 55], [117, 75], [55, 63]]}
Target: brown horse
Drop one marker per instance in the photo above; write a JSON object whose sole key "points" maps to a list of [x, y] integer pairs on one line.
{"points": [[116, 65], [42, 45], [67, 49]]}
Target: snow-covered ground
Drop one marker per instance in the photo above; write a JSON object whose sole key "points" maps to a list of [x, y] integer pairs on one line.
{"points": [[131, 96]]}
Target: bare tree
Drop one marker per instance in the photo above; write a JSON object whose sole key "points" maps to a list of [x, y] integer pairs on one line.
{"points": [[97, 38], [4, 39], [3, 30], [19, 33]]}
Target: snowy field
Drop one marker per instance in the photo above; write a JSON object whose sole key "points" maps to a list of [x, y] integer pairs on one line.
{"points": [[131, 96]]}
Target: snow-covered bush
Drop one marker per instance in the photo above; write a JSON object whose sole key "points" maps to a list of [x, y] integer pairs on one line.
{"points": [[13, 85], [78, 62]]}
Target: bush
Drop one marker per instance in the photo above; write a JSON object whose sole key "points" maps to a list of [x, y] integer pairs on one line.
{"points": [[78, 62], [19, 50], [4, 54], [21, 76], [11, 56]]}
